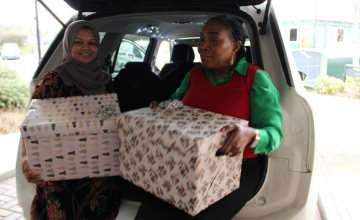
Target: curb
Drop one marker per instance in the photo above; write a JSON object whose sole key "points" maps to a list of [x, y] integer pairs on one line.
{"points": [[6, 175], [321, 208], [325, 203], [9, 154]]}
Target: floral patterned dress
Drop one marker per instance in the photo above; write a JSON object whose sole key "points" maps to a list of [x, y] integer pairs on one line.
{"points": [[87, 198]]}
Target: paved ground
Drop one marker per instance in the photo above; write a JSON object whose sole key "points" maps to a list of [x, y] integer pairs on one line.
{"points": [[25, 66], [338, 136], [8, 153], [9, 208]]}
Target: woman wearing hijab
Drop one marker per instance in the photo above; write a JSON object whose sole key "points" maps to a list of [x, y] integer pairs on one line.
{"points": [[79, 73]]}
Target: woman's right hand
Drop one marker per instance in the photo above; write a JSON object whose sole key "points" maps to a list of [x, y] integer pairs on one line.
{"points": [[154, 104], [29, 175]]}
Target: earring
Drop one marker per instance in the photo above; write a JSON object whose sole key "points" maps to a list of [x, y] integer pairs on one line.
{"points": [[232, 60]]}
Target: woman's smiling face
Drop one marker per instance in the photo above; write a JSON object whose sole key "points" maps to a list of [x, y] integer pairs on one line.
{"points": [[84, 49], [215, 46]]}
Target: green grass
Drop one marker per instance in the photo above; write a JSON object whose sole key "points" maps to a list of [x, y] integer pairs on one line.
{"points": [[14, 99]]}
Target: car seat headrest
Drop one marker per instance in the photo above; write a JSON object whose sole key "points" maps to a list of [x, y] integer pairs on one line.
{"points": [[182, 52], [137, 65]]}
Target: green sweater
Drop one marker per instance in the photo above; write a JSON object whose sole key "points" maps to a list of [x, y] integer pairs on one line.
{"points": [[264, 103]]}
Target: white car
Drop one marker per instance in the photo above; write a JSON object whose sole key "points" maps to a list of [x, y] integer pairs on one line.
{"points": [[289, 188], [129, 51], [10, 51]]}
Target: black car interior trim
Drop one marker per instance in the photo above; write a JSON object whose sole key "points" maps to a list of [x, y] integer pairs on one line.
{"points": [[110, 5], [262, 30]]}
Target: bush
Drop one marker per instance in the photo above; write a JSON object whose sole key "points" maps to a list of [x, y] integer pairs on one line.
{"points": [[350, 82], [13, 36], [329, 85], [14, 93], [10, 121], [7, 72], [357, 87]]}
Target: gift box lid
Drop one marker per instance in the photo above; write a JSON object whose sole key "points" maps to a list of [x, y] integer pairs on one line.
{"points": [[179, 129], [69, 116]]}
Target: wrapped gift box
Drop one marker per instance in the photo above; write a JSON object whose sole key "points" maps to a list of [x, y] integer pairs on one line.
{"points": [[65, 139], [172, 154]]}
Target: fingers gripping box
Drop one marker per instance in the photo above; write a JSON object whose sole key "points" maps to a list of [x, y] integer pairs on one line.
{"points": [[71, 138], [171, 154]]}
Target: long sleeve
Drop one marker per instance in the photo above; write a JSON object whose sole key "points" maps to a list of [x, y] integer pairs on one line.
{"points": [[52, 86], [266, 114], [182, 90]]}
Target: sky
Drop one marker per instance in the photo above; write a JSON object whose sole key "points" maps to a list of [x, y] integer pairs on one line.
{"points": [[331, 10], [22, 13]]}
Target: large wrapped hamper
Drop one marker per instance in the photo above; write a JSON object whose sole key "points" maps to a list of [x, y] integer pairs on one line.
{"points": [[65, 139], [172, 154]]}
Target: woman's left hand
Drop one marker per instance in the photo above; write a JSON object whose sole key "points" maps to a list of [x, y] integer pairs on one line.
{"points": [[239, 138]]}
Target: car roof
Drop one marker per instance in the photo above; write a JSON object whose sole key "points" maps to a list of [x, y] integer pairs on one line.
{"points": [[113, 5]]}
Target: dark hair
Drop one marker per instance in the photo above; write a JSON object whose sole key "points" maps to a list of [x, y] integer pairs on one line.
{"points": [[86, 28], [235, 31]]}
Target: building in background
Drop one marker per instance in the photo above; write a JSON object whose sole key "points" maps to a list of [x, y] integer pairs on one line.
{"points": [[322, 40]]}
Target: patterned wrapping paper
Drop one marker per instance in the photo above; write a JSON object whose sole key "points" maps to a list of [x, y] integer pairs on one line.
{"points": [[65, 140], [171, 154]]}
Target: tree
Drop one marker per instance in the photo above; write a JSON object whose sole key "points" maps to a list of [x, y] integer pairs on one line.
{"points": [[13, 34]]}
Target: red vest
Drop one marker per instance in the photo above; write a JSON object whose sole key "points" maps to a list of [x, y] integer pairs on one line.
{"points": [[231, 98]]}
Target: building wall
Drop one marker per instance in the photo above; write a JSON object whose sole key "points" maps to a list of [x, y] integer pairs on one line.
{"points": [[323, 37], [323, 34], [327, 33], [300, 26], [336, 66]]}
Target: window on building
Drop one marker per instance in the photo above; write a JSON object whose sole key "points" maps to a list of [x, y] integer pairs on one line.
{"points": [[293, 34], [340, 35]]}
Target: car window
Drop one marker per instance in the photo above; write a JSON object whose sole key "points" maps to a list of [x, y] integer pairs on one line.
{"points": [[132, 49], [101, 34], [163, 55], [197, 55]]}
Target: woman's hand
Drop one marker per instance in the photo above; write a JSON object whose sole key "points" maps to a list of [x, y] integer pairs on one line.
{"points": [[239, 138], [29, 175], [154, 104]]}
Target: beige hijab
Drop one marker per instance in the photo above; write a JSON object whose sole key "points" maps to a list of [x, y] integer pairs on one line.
{"points": [[89, 78]]}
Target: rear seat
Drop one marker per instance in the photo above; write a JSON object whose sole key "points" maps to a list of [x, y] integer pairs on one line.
{"points": [[136, 86], [184, 53], [172, 81], [180, 53]]}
